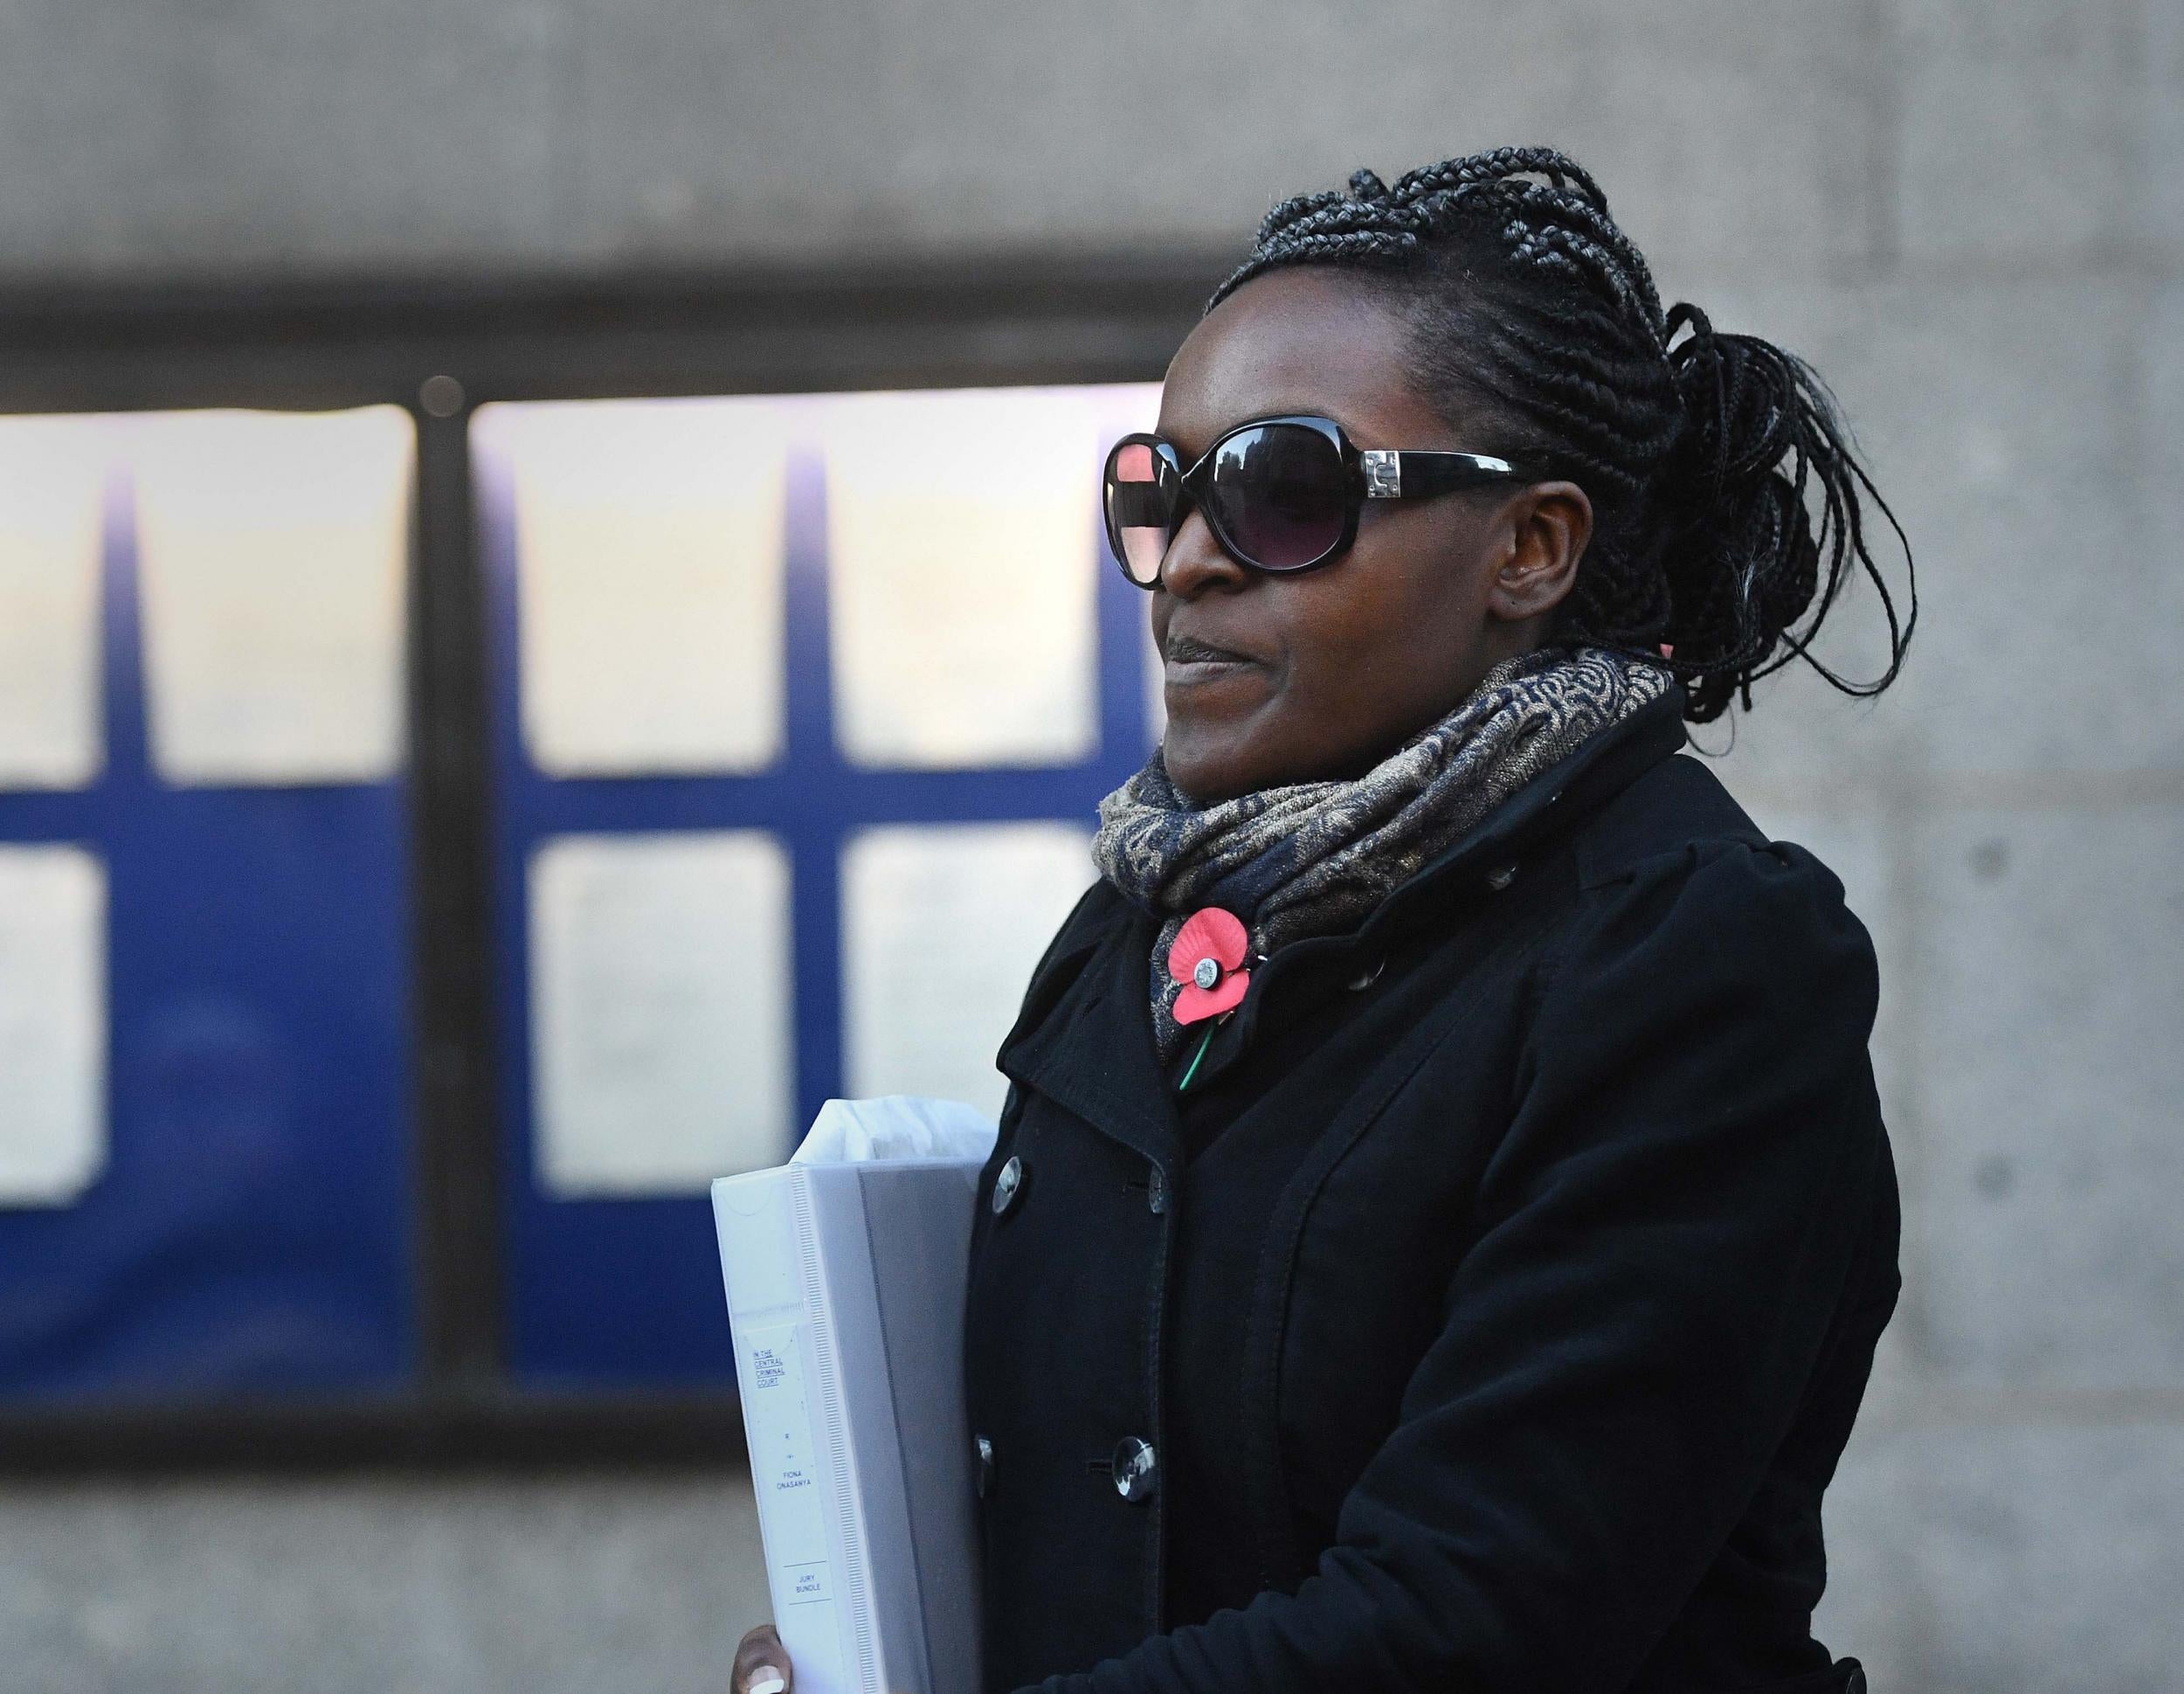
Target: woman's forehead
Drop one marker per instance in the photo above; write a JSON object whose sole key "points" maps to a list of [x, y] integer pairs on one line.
{"points": [[1297, 340]]}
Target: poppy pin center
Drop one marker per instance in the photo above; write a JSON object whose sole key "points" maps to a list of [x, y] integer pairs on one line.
{"points": [[1207, 962]]}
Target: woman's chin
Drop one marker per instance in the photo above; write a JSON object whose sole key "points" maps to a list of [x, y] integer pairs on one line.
{"points": [[1209, 764]]}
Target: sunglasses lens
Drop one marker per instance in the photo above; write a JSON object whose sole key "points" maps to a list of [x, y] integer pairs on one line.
{"points": [[1142, 492], [1280, 495]]}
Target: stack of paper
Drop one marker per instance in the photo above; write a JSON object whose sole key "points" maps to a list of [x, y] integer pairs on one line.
{"points": [[844, 1272]]}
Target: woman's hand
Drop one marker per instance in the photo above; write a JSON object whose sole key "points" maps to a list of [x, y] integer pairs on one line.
{"points": [[762, 1665]]}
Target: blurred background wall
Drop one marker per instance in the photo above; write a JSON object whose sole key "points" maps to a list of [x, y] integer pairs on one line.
{"points": [[1968, 217]]}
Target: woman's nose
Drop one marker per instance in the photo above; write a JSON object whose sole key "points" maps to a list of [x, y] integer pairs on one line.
{"points": [[1195, 562]]}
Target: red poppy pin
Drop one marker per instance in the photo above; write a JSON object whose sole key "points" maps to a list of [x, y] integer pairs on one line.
{"points": [[1207, 959]]}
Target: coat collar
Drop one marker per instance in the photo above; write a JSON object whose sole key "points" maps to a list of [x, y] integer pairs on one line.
{"points": [[1085, 1063], [1548, 806], [1478, 864]]}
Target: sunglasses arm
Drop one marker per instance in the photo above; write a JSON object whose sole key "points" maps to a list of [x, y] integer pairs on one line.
{"points": [[1398, 475]]}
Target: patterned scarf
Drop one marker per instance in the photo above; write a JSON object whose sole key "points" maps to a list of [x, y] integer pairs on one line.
{"points": [[1316, 858]]}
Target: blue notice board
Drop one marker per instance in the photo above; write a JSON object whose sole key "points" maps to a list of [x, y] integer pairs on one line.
{"points": [[250, 1232], [626, 1292]]}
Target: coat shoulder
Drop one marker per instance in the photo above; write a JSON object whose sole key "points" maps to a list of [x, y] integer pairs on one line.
{"points": [[1677, 804], [1673, 871]]}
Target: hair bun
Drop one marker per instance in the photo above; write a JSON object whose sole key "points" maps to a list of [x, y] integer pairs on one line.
{"points": [[1758, 429]]}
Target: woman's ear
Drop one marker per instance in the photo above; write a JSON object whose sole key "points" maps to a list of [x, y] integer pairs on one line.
{"points": [[1547, 527]]}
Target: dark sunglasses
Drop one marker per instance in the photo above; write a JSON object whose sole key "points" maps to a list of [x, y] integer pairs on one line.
{"points": [[1279, 494]]}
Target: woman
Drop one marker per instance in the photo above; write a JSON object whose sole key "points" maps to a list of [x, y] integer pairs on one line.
{"points": [[1442, 1220]]}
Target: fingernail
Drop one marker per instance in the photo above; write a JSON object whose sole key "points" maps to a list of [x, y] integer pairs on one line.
{"points": [[767, 1682]]}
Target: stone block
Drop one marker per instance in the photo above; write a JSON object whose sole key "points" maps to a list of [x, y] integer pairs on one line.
{"points": [[2019, 1559], [2157, 391], [2021, 131], [532, 1586], [398, 135], [2046, 1249], [268, 140], [2161, 65]]}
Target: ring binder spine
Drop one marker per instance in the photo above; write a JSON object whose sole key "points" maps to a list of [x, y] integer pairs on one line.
{"points": [[834, 1431]]}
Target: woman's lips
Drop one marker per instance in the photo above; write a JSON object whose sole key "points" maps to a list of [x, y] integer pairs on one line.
{"points": [[1190, 661]]}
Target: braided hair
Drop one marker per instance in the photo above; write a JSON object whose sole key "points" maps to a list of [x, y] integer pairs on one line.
{"points": [[1727, 502]]}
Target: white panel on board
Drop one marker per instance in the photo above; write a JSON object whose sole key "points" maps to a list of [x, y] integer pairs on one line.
{"points": [[963, 556], [272, 551], [660, 1010], [649, 570], [52, 472], [942, 924], [52, 1024]]}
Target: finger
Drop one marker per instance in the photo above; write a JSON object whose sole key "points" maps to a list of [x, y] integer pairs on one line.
{"points": [[762, 1663], [762, 1677]]}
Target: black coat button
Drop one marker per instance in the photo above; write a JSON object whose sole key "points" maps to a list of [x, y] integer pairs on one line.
{"points": [[1136, 1469], [1007, 1184], [1157, 1193], [984, 1449]]}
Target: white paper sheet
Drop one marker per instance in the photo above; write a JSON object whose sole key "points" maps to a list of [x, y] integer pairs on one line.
{"points": [[649, 568], [963, 553], [895, 1126], [271, 551], [52, 473], [942, 925], [52, 1024], [660, 1010]]}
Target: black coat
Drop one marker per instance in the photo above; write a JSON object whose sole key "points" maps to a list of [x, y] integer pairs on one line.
{"points": [[1497, 1307]]}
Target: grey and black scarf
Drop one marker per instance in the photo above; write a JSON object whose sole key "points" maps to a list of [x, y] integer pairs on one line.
{"points": [[1316, 858]]}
